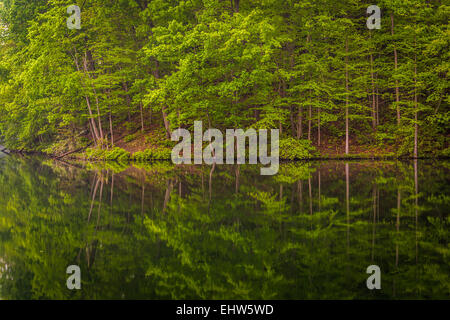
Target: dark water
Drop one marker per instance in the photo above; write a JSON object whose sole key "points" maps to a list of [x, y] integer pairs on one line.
{"points": [[163, 232]]}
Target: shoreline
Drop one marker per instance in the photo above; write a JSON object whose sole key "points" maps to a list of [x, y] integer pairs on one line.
{"points": [[339, 157]]}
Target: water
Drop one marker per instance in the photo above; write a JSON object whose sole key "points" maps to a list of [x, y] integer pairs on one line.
{"points": [[163, 232]]}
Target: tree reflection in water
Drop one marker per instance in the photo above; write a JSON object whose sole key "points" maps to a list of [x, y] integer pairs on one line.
{"points": [[156, 231]]}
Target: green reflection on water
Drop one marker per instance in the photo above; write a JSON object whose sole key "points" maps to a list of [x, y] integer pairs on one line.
{"points": [[162, 232]]}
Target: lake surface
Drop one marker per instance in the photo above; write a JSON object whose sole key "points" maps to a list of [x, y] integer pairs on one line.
{"points": [[156, 231]]}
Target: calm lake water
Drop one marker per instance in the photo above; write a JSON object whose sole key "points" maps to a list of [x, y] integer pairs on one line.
{"points": [[157, 231]]}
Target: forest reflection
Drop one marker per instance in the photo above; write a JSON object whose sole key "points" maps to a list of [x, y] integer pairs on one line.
{"points": [[158, 231]]}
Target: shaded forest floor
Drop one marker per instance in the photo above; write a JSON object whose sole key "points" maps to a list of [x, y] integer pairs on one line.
{"points": [[135, 141], [336, 149], [330, 147], [130, 139]]}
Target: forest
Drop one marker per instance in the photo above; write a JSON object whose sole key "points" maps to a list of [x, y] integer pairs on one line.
{"points": [[137, 70]]}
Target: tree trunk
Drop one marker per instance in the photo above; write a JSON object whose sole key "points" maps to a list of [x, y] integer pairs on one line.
{"points": [[164, 108], [91, 116], [300, 123], [99, 117], [397, 93], [374, 111], [91, 130], [166, 122], [86, 71], [235, 5], [309, 120], [318, 127], [291, 48], [346, 98], [111, 128], [377, 100], [94, 195], [416, 126], [142, 117], [308, 39]]}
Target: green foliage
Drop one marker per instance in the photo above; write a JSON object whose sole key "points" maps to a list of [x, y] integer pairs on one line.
{"points": [[292, 149], [158, 138], [117, 154], [114, 154], [153, 154], [303, 67], [445, 153]]}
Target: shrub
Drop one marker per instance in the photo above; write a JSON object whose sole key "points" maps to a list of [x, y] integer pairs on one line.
{"points": [[115, 154], [95, 153], [153, 154], [293, 149], [118, 154]]}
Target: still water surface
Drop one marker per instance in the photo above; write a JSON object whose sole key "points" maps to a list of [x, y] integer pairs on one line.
{"points": [[157, 231]]}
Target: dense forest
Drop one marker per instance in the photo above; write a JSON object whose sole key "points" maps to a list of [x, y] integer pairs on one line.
{"points": [[312, 69]]}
